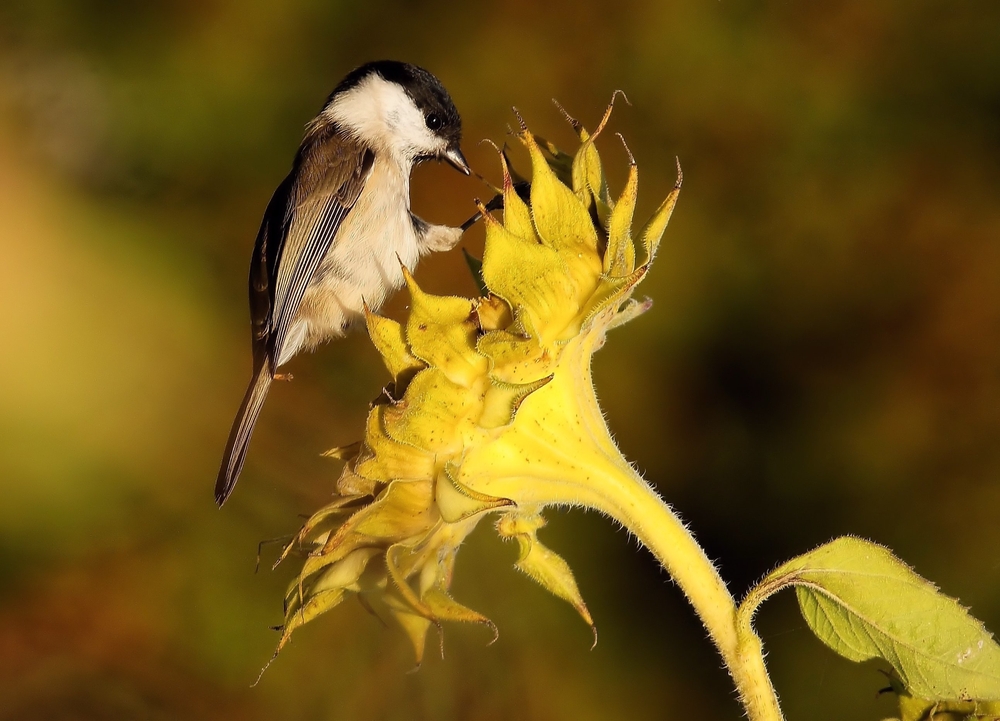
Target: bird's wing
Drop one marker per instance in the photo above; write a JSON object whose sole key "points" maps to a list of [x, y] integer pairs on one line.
{"points": [[261, 269], [300, 225]]}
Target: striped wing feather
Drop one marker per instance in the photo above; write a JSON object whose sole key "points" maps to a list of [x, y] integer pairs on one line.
{"points": [[299, 227]]}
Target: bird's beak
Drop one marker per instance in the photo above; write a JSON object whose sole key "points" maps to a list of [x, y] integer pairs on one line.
{"points": [[454, 156]]}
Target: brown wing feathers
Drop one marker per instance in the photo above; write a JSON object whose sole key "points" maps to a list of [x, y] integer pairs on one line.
{"points": [[298, 229]]}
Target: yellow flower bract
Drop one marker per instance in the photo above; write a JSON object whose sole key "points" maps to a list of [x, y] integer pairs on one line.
{"points": [[491, 409]]}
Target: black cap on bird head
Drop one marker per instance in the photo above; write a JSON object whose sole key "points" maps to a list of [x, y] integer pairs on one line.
{"points": [[428, 94]]}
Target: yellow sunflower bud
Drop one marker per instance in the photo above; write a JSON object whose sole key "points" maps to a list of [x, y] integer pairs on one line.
{"points": [[491, 409]]}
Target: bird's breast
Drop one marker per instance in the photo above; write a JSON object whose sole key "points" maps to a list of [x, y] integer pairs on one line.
{"points": [[375, 236], [363, 263]]}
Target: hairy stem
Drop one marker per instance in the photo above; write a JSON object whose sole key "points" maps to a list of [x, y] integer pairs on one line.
{"points": [[562, 452], [630, 500]]}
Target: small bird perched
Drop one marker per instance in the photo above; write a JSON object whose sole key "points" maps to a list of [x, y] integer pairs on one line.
{"points": [[338, 227]]}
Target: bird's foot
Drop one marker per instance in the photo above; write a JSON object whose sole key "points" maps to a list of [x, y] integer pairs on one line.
{"points": [[440, 238]]}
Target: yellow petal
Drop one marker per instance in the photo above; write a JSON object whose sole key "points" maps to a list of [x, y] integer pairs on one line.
{"points": [[387, 336], [609, 296], [436, 414], [400, 562], [544, 566], [384, 459], [445, 608], [335, 508], [516, 359], [414, 626], [493, 312], [619, 258], [344, 574], [652, 232], [351, 484], [343, 453], [631, 310], [589, 182], [302, 613], [516, 215], [441, 331], [304, 601], [561, 219], [531, 276], [331, 515], [560, 162], [404, 510]]}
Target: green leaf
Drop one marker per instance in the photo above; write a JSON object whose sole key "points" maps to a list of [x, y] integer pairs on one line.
{"points": [[865, 603], [476, 267], [918, 709]]}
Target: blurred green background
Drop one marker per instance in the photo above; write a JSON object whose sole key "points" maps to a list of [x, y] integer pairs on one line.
{"points": [[823, 356]]}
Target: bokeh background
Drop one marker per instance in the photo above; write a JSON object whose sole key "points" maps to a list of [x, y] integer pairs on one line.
{"points": [[823, 356]]}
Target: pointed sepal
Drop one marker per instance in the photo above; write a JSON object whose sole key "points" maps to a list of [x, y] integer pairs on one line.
{"points": [[547, 568]]}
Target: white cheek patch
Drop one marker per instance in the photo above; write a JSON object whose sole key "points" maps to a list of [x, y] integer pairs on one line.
{"points": [[384, 117]]}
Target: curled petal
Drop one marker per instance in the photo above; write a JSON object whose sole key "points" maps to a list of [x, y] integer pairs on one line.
{"points": [[457, 502]]}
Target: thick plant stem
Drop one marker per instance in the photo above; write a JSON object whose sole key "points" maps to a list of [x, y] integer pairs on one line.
{"points": [[631, 501], [565, 454]]}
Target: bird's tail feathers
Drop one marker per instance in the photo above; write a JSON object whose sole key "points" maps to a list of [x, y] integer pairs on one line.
{"points": [[239, 436]]}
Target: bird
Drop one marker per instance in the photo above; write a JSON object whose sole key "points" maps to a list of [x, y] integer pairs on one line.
{"points": [[339, 227]]}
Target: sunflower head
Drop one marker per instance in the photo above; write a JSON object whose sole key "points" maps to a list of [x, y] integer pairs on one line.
{"points": [[490, 410]]}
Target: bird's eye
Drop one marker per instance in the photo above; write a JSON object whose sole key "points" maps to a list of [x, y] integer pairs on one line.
{"points": [[433, 121]]}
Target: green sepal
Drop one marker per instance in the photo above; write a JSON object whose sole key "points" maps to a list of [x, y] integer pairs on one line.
{"points": [[476, 268]]}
